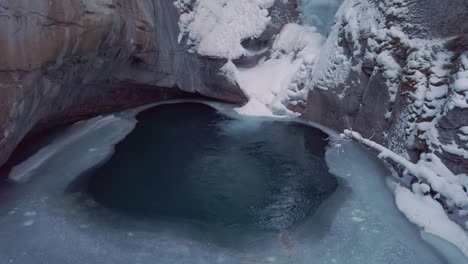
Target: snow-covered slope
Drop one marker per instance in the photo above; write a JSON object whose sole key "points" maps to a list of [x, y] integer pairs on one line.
{"points": [[280, 78]]}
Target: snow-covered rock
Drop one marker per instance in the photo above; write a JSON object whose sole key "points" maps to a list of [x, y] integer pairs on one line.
{"points": [[216, 28], [395, 72], [383, 74], [280, 79]]}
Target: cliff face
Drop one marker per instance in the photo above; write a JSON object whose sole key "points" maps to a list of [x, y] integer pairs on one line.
{"points": [[390, 71], [64, 59]]}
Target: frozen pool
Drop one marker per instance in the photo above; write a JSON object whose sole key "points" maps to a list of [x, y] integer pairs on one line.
{"points": [[221, 189], [187, 161]]}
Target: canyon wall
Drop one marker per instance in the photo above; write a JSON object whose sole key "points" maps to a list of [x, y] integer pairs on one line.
{"points": [[62, 60], [396, 71], [388, 70]]}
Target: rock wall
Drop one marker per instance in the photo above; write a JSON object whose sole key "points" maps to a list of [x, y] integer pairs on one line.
{"points": [[62, 60], [389, 70]]}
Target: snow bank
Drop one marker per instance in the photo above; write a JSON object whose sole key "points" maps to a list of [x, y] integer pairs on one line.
{"points": [[420, 207], [119, 125], [280, 79], [423, 170], [425, 212], [460, 86], [216, 28], [264, 82]]}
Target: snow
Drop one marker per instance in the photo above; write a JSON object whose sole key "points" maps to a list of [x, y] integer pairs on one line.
{"points": [[296, 38], [425, 212], [423, 170], [28, 223], [120, 125], [264, 82], [422, 209], [454, 149], [391, 73], [30, 213], [279, 79], [334, 66], [427, 69], [460, 86], [230, 71], [216, 28], [464, 130], [373, 185]]}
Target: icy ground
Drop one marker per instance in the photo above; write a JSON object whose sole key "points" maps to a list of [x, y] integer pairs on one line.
{"points": [[358, 224]]}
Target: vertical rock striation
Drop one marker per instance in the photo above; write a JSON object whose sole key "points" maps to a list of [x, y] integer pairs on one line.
{"points": [[65, 59], [62, 60]]}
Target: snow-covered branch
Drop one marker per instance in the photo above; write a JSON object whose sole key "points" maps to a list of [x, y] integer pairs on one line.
{"points": [[438, 177]]}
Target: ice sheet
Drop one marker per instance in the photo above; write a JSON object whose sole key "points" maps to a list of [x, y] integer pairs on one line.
{"points": [[359, 224]]}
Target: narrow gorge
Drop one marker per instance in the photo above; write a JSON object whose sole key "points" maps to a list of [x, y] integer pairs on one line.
{"points": [[234, 131]]}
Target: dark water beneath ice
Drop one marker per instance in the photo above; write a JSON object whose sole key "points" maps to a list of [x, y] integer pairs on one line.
{"points": [[189, 162], [183, 175]]}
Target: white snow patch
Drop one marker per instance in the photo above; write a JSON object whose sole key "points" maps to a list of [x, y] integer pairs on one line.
{"points": [[28, 223], [122, 126], [30, 213], [460, 86], [263, 83], [425, 212], [464, 130], [422, 209], [216, 28], [230, 71], [358, 219], [276, 81], [424, 170], [391, 72]]}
